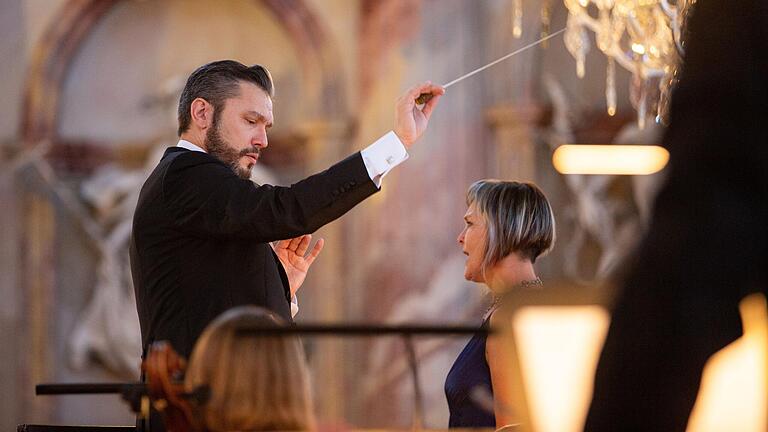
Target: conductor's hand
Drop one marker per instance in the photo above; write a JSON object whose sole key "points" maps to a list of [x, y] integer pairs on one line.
{"points": [[296, 261], [410, 120]]}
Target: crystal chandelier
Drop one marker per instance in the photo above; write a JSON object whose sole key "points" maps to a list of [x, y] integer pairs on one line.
{"points": [[643, 36]]}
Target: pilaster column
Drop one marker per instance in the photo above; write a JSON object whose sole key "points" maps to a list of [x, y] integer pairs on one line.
{"points": [[514, 129], [12, 315], [323, 300], [38, 286]]}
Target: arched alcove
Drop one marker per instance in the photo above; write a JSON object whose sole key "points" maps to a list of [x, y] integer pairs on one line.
{"points": [[77, 19]]}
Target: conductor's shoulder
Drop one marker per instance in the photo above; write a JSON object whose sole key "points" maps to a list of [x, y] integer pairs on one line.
{"points": [[181, 158]]}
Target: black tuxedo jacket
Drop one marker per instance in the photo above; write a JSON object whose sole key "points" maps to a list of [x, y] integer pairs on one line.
{"points": [[200, 239]]}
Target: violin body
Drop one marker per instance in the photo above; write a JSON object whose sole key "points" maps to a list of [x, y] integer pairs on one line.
{"points": [[164, 370]]}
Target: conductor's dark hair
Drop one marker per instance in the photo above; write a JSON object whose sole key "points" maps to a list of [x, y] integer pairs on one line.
{"points": [[216, 82]]}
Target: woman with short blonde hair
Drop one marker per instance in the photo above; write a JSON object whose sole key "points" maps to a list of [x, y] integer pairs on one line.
{"points": [[518, 218], [508, 225], [256, 383]]}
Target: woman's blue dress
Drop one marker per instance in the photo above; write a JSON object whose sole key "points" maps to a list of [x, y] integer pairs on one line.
{"points": [[467, 383]]}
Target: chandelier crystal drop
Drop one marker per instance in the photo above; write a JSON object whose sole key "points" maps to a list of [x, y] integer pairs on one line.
{"points": [[643, 36]]}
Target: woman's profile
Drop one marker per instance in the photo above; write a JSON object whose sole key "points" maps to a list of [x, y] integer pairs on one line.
{"points": [[508, 225]]}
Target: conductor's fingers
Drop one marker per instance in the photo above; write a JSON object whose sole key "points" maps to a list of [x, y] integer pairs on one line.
{"points": [[303, 245], [315, 251], [430, 105]]}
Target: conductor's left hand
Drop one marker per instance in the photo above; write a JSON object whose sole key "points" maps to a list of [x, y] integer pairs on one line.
{"points": [[296, 261]]}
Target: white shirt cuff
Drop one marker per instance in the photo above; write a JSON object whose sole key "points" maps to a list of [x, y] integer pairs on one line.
{"points": [[294, 306], [383, 155]]}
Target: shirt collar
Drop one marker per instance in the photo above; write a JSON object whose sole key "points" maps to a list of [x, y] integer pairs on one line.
{"points": [[189, 146]]}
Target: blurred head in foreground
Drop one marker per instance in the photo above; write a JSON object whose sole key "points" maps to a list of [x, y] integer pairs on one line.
{"points": [[256, 383]]}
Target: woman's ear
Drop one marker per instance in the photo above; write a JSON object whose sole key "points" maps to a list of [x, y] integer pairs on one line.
{"points": [[201, 112]]}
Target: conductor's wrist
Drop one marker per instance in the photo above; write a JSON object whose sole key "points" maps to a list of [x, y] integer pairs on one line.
{"points": [[405, 138]]}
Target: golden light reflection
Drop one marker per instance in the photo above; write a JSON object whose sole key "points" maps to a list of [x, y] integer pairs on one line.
{"points": [[735, 383], [559, 347], [609, 159]]}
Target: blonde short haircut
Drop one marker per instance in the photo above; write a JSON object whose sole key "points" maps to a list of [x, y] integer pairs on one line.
{"points": [[256, 383], [518, 219]]}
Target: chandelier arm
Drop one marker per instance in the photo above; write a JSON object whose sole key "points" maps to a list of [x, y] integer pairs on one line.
{"points": [[588, 21], [671, 11], [629, 64], [677, 35], [635, 27], [616, 51], [622, 58]]}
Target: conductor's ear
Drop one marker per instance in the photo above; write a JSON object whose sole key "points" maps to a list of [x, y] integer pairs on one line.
{"points": [[201, 112]]}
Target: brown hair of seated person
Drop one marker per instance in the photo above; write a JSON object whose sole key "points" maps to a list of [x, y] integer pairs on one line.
{"points": [[256, 383]]}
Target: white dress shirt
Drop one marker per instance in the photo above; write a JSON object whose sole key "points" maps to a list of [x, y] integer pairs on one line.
{"points": [[379, 158]]}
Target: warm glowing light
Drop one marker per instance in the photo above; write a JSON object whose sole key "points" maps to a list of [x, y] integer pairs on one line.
{"points": [[735, 383], [559, 347], [609, 159], [638, 48]]}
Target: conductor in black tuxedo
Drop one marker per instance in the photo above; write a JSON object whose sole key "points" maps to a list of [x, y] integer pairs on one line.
{"points": [[202, 230]]}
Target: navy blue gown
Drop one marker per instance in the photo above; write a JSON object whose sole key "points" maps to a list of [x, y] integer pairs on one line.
{"points": [[470, 371]]}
